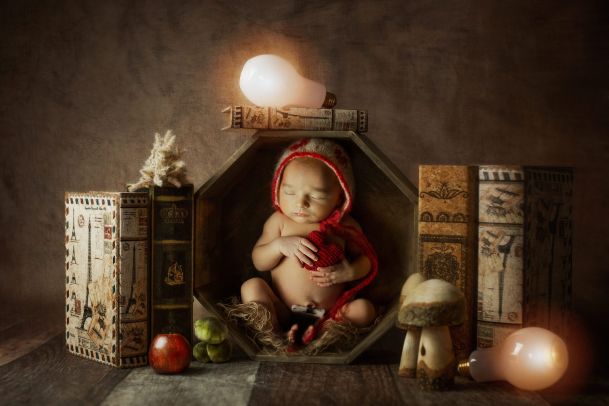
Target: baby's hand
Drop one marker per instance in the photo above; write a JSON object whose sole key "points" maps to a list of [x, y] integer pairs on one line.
{"points": [[331, 275], [303, 249]]}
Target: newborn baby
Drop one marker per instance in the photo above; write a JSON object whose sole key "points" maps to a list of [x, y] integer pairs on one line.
{"points": [[310, 245]]}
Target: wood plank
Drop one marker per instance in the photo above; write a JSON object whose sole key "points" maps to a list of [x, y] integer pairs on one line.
{"points": [[214, 384], [372, 384], [22, 334], [49, 375], [308, 384], [465, 392], [592, 391]]}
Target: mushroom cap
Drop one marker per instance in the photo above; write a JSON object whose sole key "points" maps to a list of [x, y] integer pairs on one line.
{"points": [[412, 282], [433, 302]]}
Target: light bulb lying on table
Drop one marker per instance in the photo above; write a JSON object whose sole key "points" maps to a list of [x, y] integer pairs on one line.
{"points": [[269, 80], [531, 358]]}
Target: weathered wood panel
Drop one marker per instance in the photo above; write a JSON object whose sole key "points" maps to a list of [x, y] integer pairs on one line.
{"points": [[49, 375], [307, 384], [20, 334], [210, 384], [466, 392]]}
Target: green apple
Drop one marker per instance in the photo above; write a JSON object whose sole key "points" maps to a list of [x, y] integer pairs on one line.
{"points": [[199, 351], [220, 352], [211, 330]]}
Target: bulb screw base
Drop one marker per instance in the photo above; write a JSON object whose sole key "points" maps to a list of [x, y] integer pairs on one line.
{"points": [[463, 368], [329, 101]]}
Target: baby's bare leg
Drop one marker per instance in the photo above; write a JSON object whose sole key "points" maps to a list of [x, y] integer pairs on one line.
{"points": [[257, 290], [359, 312]]}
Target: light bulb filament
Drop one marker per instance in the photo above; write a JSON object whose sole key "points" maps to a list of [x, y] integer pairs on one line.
{"points": [[517, 349]]}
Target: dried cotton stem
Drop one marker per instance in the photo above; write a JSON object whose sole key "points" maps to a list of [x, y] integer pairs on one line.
{"points": [[164, 166]]}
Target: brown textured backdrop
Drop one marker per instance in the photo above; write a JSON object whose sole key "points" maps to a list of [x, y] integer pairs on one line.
{"points": [[83, 88]]}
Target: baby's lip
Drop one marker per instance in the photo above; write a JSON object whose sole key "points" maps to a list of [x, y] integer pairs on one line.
{"points": [[301, 214]]}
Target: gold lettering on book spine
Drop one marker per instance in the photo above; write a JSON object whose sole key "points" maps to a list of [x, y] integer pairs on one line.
{"points": [[174, 214], [175, 275]]}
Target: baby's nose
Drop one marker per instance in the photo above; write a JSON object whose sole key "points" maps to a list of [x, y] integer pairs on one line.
{"points": [[303, 202]]}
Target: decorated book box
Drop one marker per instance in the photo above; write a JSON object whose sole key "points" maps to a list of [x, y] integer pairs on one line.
{"points": [[233, 205]]}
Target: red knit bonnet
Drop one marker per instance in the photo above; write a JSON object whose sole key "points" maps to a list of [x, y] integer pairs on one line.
{"points": [[330, 153]]}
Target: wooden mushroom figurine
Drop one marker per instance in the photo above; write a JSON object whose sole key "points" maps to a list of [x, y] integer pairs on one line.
{"points": [[410, 351], [434, 305]]}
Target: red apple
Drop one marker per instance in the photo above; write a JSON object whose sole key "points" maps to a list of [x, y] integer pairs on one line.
{"points": [[169, 353]]}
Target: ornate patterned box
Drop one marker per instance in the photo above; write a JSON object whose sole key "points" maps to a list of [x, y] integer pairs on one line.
{"points": [[106, 277]]}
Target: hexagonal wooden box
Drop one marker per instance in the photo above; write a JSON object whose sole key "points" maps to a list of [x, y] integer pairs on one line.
{"points": [[234, 204]]}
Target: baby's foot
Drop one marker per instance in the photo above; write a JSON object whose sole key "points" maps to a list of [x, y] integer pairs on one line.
{"points": [[291, 336], [307, 337]]}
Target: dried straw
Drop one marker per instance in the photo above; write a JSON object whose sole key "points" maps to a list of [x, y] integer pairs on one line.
{"points": [[335, 337]]}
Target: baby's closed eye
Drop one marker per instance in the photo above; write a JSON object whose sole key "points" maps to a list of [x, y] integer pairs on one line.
{"points": [[319, 197]]}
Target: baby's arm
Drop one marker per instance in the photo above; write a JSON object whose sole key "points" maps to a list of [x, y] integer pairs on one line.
{"points": [[271, 247], [342, 272]]}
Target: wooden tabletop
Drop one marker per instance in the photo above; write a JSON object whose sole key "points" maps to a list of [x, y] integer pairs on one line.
{"points": [[36, 369]]}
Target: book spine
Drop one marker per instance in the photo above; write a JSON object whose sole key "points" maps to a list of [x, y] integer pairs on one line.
{"points": [[447, 197], [548, 247], [492, 334], [171, 216], [294, 118], [133, 279], [500, 252]]}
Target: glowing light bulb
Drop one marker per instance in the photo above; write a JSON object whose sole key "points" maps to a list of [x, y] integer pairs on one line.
{"points": [[269, 80], [531, 358]]}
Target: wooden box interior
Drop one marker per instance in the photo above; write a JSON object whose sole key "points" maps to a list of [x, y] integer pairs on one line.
{"points": [[233, 205]]}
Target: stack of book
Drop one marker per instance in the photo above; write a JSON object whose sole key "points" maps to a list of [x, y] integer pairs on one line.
{"points": [[506, 230], [128, 271], [297, 118]]}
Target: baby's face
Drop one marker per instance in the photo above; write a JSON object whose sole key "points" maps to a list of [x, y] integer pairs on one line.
{"points": [[309, 191]]}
